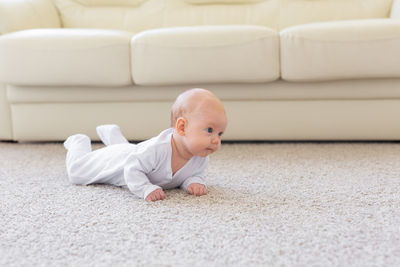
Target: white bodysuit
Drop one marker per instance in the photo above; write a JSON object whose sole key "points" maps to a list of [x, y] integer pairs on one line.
{"points": [[143, 168]]}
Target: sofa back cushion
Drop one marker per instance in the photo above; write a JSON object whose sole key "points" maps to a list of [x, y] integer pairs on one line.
{"points": [[139, 15], [395, 11], [294, 12], [25, 14]]}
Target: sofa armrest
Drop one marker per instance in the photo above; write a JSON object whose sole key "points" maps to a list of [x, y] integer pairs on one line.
{"points": [[395, 10], [27, 14], [5, 116]]}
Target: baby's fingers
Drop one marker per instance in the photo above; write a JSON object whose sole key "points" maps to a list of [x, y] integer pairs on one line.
{"points": [[203, 191], [157, 196], [198, 190], [190, 190], [149, 197]]}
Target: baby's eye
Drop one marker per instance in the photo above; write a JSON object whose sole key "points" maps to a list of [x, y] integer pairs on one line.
{"points": [[220, 133], [209, 130]]}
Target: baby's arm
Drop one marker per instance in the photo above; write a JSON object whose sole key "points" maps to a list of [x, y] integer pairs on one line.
{"points": [[136, 179], [196, 185]]}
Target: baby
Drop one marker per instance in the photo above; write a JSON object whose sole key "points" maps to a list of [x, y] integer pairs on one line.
{"points": [[177, 157]]}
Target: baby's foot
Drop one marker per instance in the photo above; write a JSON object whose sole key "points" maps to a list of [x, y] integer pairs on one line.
{"points": [[77, 140], [110, 134]]}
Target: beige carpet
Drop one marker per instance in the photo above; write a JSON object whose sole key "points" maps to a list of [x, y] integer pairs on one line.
{"points": [[269, 204]]}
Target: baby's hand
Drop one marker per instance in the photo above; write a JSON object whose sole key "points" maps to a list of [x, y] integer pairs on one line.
{"points": [[157, 194], [197, 189]]}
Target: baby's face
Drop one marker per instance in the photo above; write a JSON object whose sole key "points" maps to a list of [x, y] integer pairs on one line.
{"points": [[204, 131]]}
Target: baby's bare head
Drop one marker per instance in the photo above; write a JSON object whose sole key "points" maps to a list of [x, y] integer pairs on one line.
{"points": [[194, 101]]}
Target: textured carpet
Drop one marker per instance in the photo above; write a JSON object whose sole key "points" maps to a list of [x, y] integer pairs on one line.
{"points": [[269, 204]]}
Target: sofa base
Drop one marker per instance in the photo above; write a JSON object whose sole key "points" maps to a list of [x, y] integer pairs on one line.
{"points": [[335, 110], [248, 120]]}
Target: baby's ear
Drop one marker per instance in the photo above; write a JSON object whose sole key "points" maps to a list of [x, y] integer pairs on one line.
{"points": [[180, 125]]}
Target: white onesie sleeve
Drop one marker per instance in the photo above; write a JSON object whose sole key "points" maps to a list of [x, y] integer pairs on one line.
{"points": [[135, 175], [198, 175]]}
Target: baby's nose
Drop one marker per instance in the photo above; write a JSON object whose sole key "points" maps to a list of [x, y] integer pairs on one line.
{"points": [[216, 140]]}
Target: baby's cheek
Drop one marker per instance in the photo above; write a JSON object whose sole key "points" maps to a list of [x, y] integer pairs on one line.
{"points": [[197, 146], [203, 142]]}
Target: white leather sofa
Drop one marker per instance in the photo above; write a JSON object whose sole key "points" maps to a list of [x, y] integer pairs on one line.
{"points": [[285, 69]]}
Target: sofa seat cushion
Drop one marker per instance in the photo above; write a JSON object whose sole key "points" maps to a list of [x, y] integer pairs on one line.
{"points": [[206, 54], [341, 50], [65, 57]]}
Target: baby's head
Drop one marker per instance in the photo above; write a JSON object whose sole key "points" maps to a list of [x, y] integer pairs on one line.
{"points": [[199, 120]]}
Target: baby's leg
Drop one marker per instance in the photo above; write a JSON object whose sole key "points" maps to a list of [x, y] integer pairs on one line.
{"points": [[85, 166], [78, 146], [110, 134], [104, 165]]}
